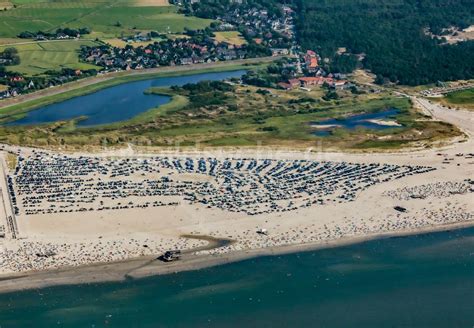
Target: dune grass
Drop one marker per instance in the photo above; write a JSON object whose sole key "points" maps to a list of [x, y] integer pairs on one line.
{"points": [[242, 117], [12, 160], [178, 123], [464, 98]]}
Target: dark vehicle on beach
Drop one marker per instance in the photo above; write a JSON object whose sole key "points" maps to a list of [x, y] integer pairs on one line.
{"points": [[400, 209], [170, 256]]}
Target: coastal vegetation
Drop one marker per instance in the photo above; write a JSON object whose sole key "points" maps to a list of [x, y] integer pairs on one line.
{"points": [[463, 99], [229, 114], [11, 160]]}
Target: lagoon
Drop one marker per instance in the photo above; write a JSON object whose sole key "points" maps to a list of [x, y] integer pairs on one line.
{"points": [[371, 121], [114, 104], [424, 280]]}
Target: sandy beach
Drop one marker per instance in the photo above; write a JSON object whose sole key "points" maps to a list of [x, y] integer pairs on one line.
{"points": [[146, 266], [73, 218], [384, 122]]}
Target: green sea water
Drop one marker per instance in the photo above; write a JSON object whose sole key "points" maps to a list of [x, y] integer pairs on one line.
{"points": [[417, 281]]}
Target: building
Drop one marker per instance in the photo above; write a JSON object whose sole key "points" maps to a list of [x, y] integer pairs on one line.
{"points": [[311, 60], [338, 84], [280, 52], [291, 84], [17, 79], [315, 81]]}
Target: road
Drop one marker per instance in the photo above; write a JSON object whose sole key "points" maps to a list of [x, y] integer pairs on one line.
{"points": [[7, 209], [460, 118], [45, 41]]}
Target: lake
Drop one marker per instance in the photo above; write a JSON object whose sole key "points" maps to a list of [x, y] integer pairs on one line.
{"points": [[114, 104], [356, 121], [417, 281]]}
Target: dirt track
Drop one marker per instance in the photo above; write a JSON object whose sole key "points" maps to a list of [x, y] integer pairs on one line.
{"points": [[460, 118]]}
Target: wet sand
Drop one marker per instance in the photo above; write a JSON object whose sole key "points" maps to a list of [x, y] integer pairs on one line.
{"points": [[149, 265]]}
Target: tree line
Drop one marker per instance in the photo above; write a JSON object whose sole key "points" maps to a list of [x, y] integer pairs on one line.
{"points": [[390, 37]]}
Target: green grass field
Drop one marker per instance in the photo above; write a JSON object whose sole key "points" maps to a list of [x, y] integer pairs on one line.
{"points": [[459, 99], [101, 16], [108, 19], [38, 57], [464, 98], [231, 37]]}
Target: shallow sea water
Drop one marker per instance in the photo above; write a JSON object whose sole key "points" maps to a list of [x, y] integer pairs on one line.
{"points": [[416, 281]]}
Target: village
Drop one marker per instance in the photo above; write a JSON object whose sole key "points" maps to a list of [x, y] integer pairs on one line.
{"points": [[261, 33], [18, 84]]}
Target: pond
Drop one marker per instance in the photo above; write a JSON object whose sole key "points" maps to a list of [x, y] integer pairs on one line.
{"points": [[114, 104], [374, 121]]}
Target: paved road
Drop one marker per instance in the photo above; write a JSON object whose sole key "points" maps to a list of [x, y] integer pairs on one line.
{"points": [[6, 210]]}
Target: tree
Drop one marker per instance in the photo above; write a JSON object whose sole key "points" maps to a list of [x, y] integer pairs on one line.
{"points": [[391, 39], [331, 95]]}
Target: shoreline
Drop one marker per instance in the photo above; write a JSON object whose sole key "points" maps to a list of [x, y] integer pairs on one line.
{"points": [[149, 266], [335, 224]]}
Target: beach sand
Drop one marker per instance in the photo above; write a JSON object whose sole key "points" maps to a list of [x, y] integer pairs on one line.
{"points": [[107, 245], [147, 266]]}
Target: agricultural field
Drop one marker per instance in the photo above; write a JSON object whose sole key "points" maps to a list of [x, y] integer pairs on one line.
{"points": [[231, 37], [5, 5], [108, 20], [38, 57], [111, 18], [175, 36], [10, 41], [25, 2], [150, 3]]}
